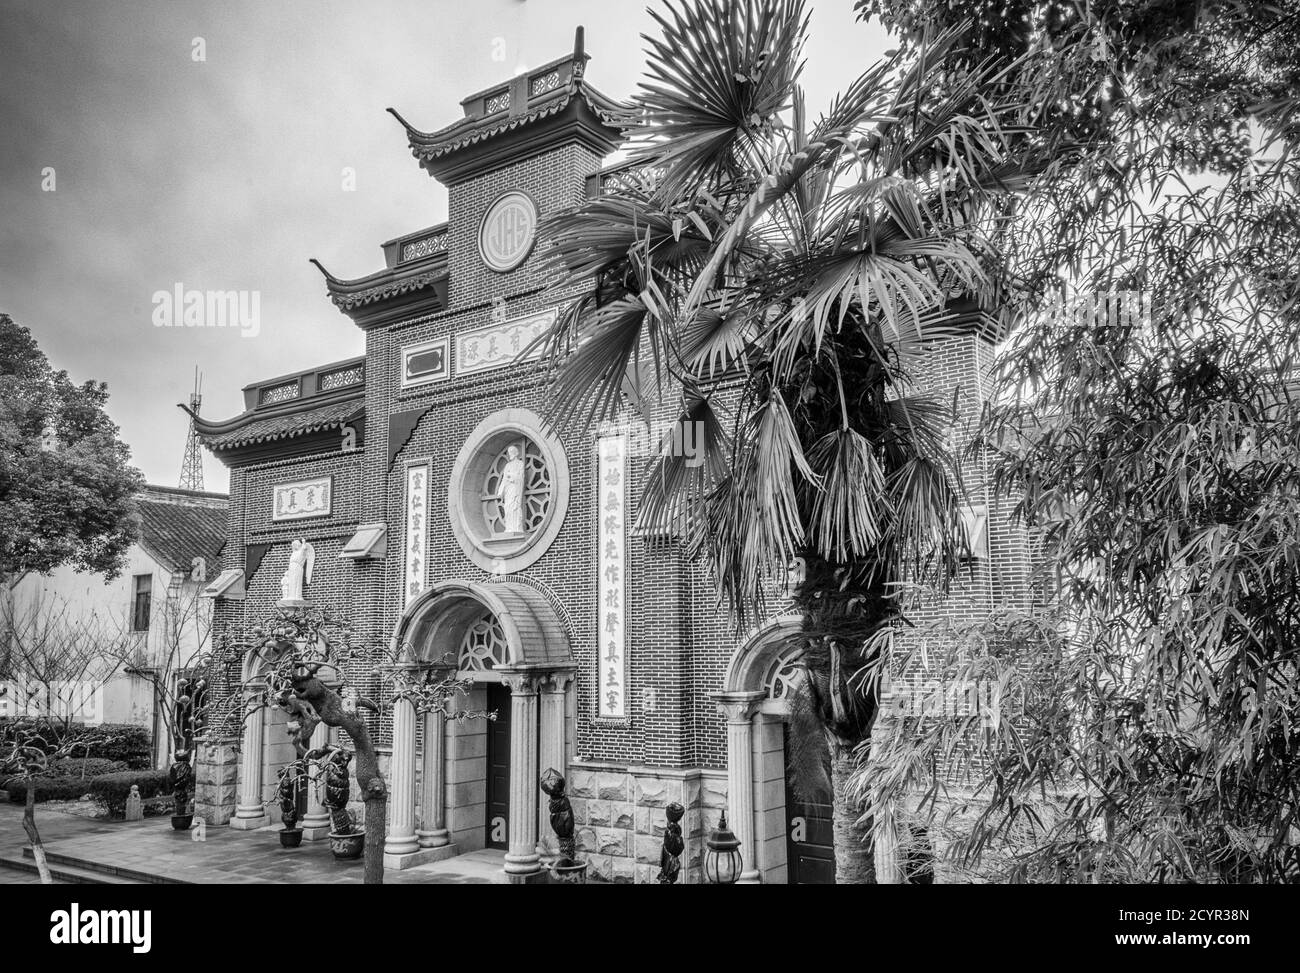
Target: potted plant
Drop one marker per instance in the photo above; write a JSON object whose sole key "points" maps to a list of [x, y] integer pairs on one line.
{"points": [[566, 870], [180, 778], [289, 791], [346, 842]]}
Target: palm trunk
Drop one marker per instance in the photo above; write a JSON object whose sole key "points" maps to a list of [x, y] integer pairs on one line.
{"points": [[34, 836], [854, 861]]}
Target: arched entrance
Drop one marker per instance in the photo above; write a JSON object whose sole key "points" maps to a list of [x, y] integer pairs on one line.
{"points": [[478, 779], [265, 747], [780, 832]]}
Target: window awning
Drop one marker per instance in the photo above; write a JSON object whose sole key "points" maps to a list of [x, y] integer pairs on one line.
{"points": [[975, 518], [369, 543], [229, 585]]}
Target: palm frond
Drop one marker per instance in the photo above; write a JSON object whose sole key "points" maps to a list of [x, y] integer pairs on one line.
{"points": [[850, 506], [718, 77], [597, 349], [711, 342], [693, 457], [752, 525], [927, 531]]}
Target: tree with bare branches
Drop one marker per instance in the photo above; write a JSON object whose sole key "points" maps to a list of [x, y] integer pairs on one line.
{"points": [[305, 652]]}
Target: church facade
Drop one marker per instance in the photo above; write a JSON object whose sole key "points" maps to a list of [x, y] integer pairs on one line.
{"points": [[449, 521]]}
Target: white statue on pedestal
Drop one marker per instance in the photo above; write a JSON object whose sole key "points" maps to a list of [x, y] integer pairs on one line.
{"points": [[512, 491], [298, 575]]}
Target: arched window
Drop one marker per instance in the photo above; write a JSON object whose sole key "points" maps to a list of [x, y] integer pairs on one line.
{"points": [[784, 673]]}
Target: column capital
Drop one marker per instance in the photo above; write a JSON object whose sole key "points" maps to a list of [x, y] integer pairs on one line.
{"points": [[738, 707], [555, 681], [521, 681]]}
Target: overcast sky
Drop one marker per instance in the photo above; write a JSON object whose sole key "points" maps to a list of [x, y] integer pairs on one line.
{"points": [[227, 173]]}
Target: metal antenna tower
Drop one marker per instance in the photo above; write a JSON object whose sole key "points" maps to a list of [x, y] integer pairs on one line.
{"points": [[192, 468]]}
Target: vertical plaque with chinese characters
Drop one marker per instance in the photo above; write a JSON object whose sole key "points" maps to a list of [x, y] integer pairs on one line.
{"points": [[417, 531], [611, 538]]}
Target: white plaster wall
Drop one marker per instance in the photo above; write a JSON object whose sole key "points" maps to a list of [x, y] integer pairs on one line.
{"points": [[106, 605]]}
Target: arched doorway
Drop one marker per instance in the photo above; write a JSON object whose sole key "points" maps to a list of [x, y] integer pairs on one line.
{"points": [[478, 779], [265, 747], [785, 835]]}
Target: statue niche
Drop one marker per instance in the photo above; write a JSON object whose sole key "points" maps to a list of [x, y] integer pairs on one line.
{"points": [[512, 491], [516, 493]]}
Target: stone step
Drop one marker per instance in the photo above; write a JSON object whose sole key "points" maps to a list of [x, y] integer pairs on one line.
{"points": [[128, 876], [63, 873]]}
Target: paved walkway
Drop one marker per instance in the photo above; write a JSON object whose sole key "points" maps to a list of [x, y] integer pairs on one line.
{"points": [[150, 847]]}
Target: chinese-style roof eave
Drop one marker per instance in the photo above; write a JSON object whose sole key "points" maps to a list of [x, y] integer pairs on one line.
{"points": [[415, 285], [293, 420], [466, 131], [466, 147]]}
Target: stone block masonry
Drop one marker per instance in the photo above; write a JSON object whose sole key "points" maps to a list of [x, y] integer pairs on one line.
{"points": [[619, 815]]}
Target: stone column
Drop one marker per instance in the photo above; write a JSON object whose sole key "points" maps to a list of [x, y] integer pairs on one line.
{"points": [[316, 824], [250, 812], [522, 860], [553, 686], [401, 838], [216, 780], [738, 708], [433, 833]]}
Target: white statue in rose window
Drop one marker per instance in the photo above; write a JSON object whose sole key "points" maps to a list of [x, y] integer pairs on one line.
{"points": [[512, 491], [302, 558]]}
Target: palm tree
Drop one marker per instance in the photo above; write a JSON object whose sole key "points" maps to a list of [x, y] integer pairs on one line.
{"points": [[771, 278]]}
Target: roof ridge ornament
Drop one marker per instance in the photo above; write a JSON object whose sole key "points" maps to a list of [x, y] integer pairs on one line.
{"points": [[579, 54]]}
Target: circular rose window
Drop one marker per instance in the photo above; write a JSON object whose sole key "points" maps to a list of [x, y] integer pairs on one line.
{"points": [[508, 492]]}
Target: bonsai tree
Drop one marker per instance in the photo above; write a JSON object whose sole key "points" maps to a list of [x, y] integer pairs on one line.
{"points": [[670, 860], [334, 763], [180, 778], [561, 811], [293, 779]]}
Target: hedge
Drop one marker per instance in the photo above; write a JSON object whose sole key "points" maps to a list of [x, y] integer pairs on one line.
{"points": [[85, 768], [47, 789], [132, 745], [113, 789]]}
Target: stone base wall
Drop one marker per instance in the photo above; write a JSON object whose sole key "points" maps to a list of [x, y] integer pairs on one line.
{"points": [[216, 768], [619, 815]]}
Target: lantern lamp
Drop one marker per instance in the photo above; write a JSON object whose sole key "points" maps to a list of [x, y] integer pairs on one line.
{"points": [[722, 860]]}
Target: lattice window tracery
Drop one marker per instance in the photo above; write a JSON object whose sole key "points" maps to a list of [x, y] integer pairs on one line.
{"points": [[424, 246], [785, 674], [545, 83], [280, 393], [483, 647], [342, 377]]}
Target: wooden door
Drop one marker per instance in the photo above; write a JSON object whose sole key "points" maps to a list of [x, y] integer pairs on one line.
{"points": [[497, 816], [809, 836]]}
